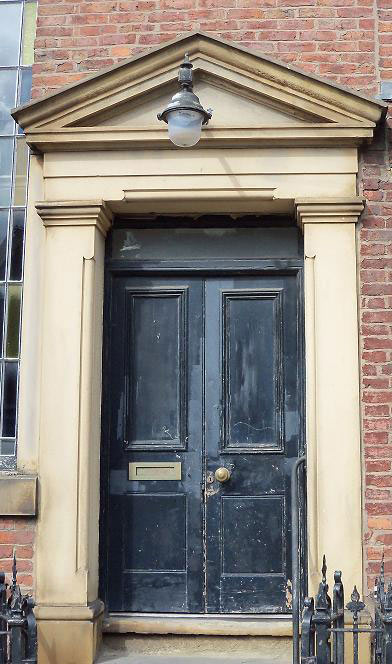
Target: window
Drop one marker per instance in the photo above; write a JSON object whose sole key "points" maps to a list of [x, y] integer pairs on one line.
{"points": [[17, 33]]}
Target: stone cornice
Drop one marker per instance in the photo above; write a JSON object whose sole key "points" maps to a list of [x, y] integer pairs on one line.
{"points": [[76, 213], [328, 210], [121, 138]]}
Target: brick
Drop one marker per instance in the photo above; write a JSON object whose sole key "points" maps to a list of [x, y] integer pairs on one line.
{"points": [[379, 480], [25, 580], [369, 370], [375, 329], [378, 452], [380, 523], [6, 551], [377, 411], [375, 438], [16, 537], [23, 552], [378, 466], [97, 7], [23, 566], [372, 343], [379, 508], [374, 356], [121, 52], [378, 494]]}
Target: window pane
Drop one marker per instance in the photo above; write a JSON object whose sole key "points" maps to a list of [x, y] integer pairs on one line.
{"points": [[3, 241], [10, 23], [20, 172], [9, 399], [25, 85], [7, 446], [16, 266], [2, 291], [173, 243], [13, 320], [29, 25], [7, 99], [25, 88], [6, 148]]}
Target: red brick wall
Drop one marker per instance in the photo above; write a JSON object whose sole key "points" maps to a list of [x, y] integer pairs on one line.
{"points": [[18, 535], [348, 41], [334, 38], [376, 322]]}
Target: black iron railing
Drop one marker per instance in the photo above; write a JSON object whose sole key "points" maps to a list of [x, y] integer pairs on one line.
{"points": [[18, 630], [320, 625], [325, 623]]}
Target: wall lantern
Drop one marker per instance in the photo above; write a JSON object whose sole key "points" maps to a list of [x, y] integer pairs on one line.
{"points": [[184, 114]]}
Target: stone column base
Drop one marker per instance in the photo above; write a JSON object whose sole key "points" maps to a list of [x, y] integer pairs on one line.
{"points": [[69, 634]]}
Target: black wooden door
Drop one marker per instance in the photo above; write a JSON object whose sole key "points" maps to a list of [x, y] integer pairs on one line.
{"points": [[252, 429], [155, 554], [204, 372]]}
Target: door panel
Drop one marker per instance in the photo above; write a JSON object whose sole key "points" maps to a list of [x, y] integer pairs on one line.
{"points": [[251, 335], [252, 428], [155, 544], [156, 362]]}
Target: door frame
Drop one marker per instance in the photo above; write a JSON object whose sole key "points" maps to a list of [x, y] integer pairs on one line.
{"points": [[63, 311], [202, 267]]}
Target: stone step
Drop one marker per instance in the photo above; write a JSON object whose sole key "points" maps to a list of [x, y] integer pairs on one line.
{"points": [[174, 649], [107, 657]]}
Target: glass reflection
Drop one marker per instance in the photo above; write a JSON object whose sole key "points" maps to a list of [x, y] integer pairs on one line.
{"points": [[7, 99], [3, 242], [9, 399], [10, 24], [6, 150], [16, 262], [26, 76], [13, 320], [2, 300], [7, 446], [199, 243]]}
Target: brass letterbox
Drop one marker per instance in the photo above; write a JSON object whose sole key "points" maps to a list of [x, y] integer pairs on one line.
{"points": [[154, 470]]}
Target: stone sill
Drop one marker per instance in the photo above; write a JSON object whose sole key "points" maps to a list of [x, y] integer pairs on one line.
{"points": [[18, 495]]}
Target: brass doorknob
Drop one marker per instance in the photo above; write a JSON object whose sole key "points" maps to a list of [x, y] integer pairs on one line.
{"points": [[222, 474]]}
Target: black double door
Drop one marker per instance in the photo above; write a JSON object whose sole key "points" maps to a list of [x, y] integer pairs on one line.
{"points": [[204, 374]]}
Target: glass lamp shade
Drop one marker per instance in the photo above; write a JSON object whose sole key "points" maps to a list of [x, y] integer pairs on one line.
{"points": [[184, 127]]}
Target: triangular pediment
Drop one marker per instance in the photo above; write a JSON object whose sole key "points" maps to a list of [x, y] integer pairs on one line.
{"points": [[251, 95], [251, 111]]}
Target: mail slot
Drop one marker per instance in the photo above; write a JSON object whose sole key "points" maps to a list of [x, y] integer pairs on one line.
{"points": [[155, 470]]}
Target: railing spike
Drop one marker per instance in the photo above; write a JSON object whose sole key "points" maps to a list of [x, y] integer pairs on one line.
{"points": [[324, 569], [18, 630], [14, 571]]}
